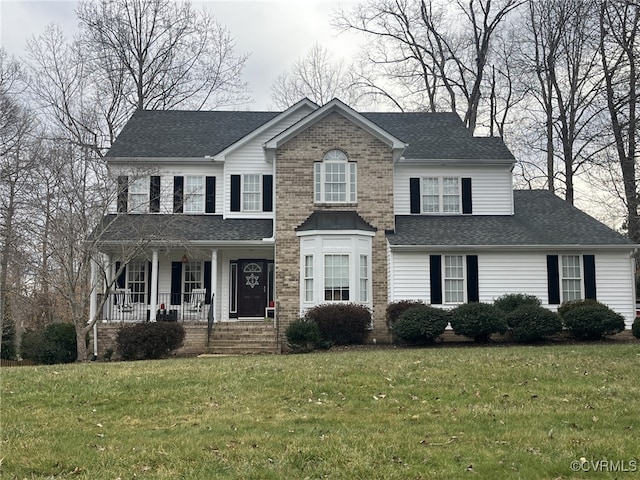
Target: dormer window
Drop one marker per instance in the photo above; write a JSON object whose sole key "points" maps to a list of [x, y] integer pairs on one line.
{"points": [[335, 178]]}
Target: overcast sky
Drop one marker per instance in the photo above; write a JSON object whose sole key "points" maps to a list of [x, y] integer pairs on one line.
{"points": [[274, 33]]}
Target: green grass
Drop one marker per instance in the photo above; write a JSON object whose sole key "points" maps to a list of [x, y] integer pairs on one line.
{"points": [[456, 412]]}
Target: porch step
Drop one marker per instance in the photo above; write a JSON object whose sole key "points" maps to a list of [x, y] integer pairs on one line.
{"points": [[243, 337]]}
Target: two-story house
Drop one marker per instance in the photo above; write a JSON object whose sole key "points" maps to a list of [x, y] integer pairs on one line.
{"points": [[234, 216]]}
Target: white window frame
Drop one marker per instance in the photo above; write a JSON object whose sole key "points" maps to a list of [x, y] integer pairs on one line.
{"points": [[137, 281], [335, 163], [251, 192], [308, 278], [193, 198], [363, 269], [440, 195], [337, 267], [454, 275], [196, 269], [138, 195], [568, 276]]}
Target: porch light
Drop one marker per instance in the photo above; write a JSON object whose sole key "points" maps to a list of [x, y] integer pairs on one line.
{"points": [[184, 259]]}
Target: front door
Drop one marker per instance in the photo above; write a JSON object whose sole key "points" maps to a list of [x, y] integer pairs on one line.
{"points": [[252, 288]]}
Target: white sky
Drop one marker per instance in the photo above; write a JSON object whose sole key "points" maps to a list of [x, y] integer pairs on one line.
{"points": [[274, 33]]}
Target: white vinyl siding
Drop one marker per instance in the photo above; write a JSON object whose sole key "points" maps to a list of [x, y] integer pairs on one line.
{"points": [[492, 189], [500, 273]]}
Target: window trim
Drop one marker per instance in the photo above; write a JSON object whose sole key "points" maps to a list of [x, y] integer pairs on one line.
{"points": [[335, 157], [579, 278], [188, 196], [138, 188], [463, 279], [441, 195], [243, 192]]}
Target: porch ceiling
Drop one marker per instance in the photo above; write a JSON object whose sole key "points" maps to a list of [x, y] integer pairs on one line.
{"points": [[180, 228]]}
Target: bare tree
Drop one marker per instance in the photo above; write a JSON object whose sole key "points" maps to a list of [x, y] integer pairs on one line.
{"points": [[619, 52], [317, 77], [165, 53], [434, 59]]}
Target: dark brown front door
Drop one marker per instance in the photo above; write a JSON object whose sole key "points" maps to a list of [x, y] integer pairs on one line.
{"points": [[252, 288]]}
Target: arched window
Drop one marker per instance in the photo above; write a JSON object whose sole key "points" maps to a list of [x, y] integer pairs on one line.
{"points": [[335, 179]]}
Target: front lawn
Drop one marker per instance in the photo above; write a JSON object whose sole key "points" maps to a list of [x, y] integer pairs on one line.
{"points": [[455, 412]]}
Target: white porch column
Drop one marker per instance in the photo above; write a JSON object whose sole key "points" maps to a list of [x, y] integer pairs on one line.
{"points": [[153, 303], [214, 279], [93, 304]]}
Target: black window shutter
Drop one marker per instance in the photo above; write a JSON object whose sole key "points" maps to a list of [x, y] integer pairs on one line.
{"points": [[435, 276], [123, 193], [149, 283], [414, 194], [176, 283], [154, 194], [121, 281], [210, 196], [589, 262], [235, 193], [207, 282], [178, 194], [467, 204], [473, 291], [553, 280], [267, 193]]}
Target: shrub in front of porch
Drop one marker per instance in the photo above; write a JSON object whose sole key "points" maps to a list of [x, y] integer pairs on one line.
{"points": [[341, 323], [421, 324], [147, 341], [303, 336]]}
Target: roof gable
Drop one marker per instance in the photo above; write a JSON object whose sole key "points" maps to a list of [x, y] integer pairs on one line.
{"points": [[336, 106]]}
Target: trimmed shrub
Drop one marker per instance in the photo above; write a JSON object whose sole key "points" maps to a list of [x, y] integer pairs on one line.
{"points": [[477, 321], [303, 335], [512, 301], [590, 320], [530, 323], [396, 309], [421, 324], [635, 328], [341, 323], [56, 343], [146, 341]]}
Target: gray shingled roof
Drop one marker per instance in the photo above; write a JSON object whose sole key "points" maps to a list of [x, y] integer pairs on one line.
{"points": [[172, 133], [335, 220], [159, 228], [179, 133], [540, 218]]}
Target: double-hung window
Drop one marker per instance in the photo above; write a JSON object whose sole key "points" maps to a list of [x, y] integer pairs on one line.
{"points": [[454, 279], [335, 179], [193, 194], [137, 281], [192, 277], [364, 278], [571, 278], [308, 278], [139, 195], [336, 277], [251, 193], [441, 195]]}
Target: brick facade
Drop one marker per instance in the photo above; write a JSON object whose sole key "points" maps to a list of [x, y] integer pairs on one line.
{"points": [[295, 202]]}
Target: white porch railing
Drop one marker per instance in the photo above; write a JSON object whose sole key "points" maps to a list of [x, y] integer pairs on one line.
{"points": [[122, 305]]}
